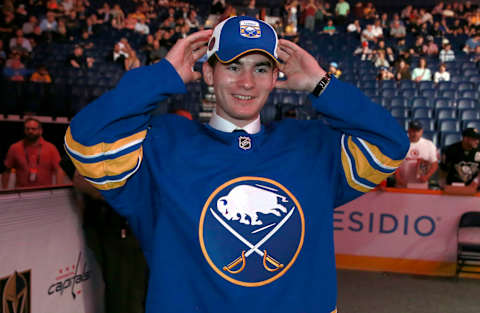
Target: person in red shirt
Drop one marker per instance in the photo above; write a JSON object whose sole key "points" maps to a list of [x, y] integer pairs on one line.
{"points": [[35, 160]]}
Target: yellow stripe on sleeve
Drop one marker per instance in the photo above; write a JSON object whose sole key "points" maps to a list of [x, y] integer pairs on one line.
{"points": [[102, 148], [109, 185], [111, 167], [382, 158], [363, 167], [346, 163]]}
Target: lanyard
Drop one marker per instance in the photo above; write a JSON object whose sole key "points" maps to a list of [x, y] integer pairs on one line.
{"points": [[36, 158]]}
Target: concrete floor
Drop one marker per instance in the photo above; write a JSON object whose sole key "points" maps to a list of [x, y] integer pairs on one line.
{"points": [[372, 292]]}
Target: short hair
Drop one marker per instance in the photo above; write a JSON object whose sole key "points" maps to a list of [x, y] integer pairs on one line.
{"points": [[29, 119]]}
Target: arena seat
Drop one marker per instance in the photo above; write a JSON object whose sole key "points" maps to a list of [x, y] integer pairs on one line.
{"points": [[466, 103], [448, 125], [471, 123], [445, 113], [428, 124], [429, 93], [450, 137], [443, 103], [468, 243], [431, 135], [408, 92], [420, 102], [422, 112], [398, 101], [468, 114]]}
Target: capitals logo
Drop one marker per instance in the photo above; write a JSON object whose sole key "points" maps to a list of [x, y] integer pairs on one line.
{"points": [[251, 231], [250, 29]]}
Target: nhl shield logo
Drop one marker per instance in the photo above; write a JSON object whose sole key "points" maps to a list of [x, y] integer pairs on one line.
{"points": [[250, 29], [251, 231], [244, 142]]}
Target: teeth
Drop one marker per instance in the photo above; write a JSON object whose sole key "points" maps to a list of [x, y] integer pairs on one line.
{"points": [[243, 97]]}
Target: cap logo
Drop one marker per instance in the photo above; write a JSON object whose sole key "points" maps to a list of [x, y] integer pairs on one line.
{"points": [[250, 29]]}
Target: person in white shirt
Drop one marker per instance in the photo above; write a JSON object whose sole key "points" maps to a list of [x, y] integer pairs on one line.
{"points": [[447, 54], [421, 72], [421, 161], [441, 75]]}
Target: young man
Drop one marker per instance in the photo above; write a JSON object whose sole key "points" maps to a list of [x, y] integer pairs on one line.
{"points": [[234, 216], [35, 160], [421, 161], [461, 160]]}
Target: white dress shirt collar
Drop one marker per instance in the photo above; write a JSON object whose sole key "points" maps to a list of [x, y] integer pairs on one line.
{"points": [[219, 123]]}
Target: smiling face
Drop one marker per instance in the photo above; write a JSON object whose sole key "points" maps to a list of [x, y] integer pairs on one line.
{"points": [[242, 86]]}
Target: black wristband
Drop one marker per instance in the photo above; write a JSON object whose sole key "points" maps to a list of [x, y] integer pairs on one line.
{"points": [[322, 84]]}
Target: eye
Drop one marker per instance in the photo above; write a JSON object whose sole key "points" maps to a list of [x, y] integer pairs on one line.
{"points": [[233, 68], [262, 69], [224, 201]]}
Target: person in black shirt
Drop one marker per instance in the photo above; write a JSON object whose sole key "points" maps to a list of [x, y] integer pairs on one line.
{"points": [[461, 160]]}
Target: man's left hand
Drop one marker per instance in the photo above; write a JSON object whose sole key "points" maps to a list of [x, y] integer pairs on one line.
{"points": [[301, 69]]}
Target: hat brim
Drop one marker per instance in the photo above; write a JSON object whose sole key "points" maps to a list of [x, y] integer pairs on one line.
{"points": [[277, 62]]}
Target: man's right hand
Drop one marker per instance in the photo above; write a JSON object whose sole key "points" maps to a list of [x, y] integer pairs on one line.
{"points": [[186, 52]]}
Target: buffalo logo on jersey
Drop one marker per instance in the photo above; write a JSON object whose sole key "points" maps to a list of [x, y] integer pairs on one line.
{"points": [[250, 29], [251, 230]]}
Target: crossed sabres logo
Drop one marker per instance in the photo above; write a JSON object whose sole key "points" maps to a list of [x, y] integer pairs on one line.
{"points": [[251, 230]]}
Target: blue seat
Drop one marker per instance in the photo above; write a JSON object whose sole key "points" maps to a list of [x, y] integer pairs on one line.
{"points": [[370, 92], [403, 122], [387, 84], [474, 79], [449, 138], [445, 85], [429, 93], [408, 92], [446, 113], [443, 103], [469, 114], [422, 112], [398, 101], [470, 72], [466, 103], [428, 123], [472, 123], [448, 93], [406, 84], [464, 85], [426, 85], [420, 102], [368, 84], [388, 92], [431, 135], [448, 125], [399, 112], [472, 94]]}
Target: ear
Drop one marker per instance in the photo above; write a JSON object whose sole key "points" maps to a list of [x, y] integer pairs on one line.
{"points": [[276, 72], [207, 74]]}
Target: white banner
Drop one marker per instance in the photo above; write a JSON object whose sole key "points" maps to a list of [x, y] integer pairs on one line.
{"points": [[42, 250], [402, 225]]}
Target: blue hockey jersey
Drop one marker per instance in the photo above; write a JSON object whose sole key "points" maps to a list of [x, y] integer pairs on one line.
{"points": [[233, 222]]}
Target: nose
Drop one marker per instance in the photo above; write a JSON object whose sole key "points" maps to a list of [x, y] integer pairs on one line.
{"points": [[246, 80]]}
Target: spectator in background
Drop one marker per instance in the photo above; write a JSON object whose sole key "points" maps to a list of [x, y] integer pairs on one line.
{"points": [[475, 58], [447, 54], [217, 7], [192, 21], [20, 43], [355, 27], [430, 48], [49, 23], [141, 26], [397, 30], [41, 75], [441, 75], [3, 55], [7, 24], [384, 74], [158, 52], [368, 34], [421, 73], [461, 160], [120, 53], [342, 10], [309, 12], [380, 60], [329, 29], [35, 160], [132, 61], [323, 11], [421, 161], [472, 43], [424, 17], [28, 26], [417, 48], [369, 11], [377, 30], [14, 69], [78, 59], [118, 17], [457, 28], [251, 10], [364, 50], [333, 68]]}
